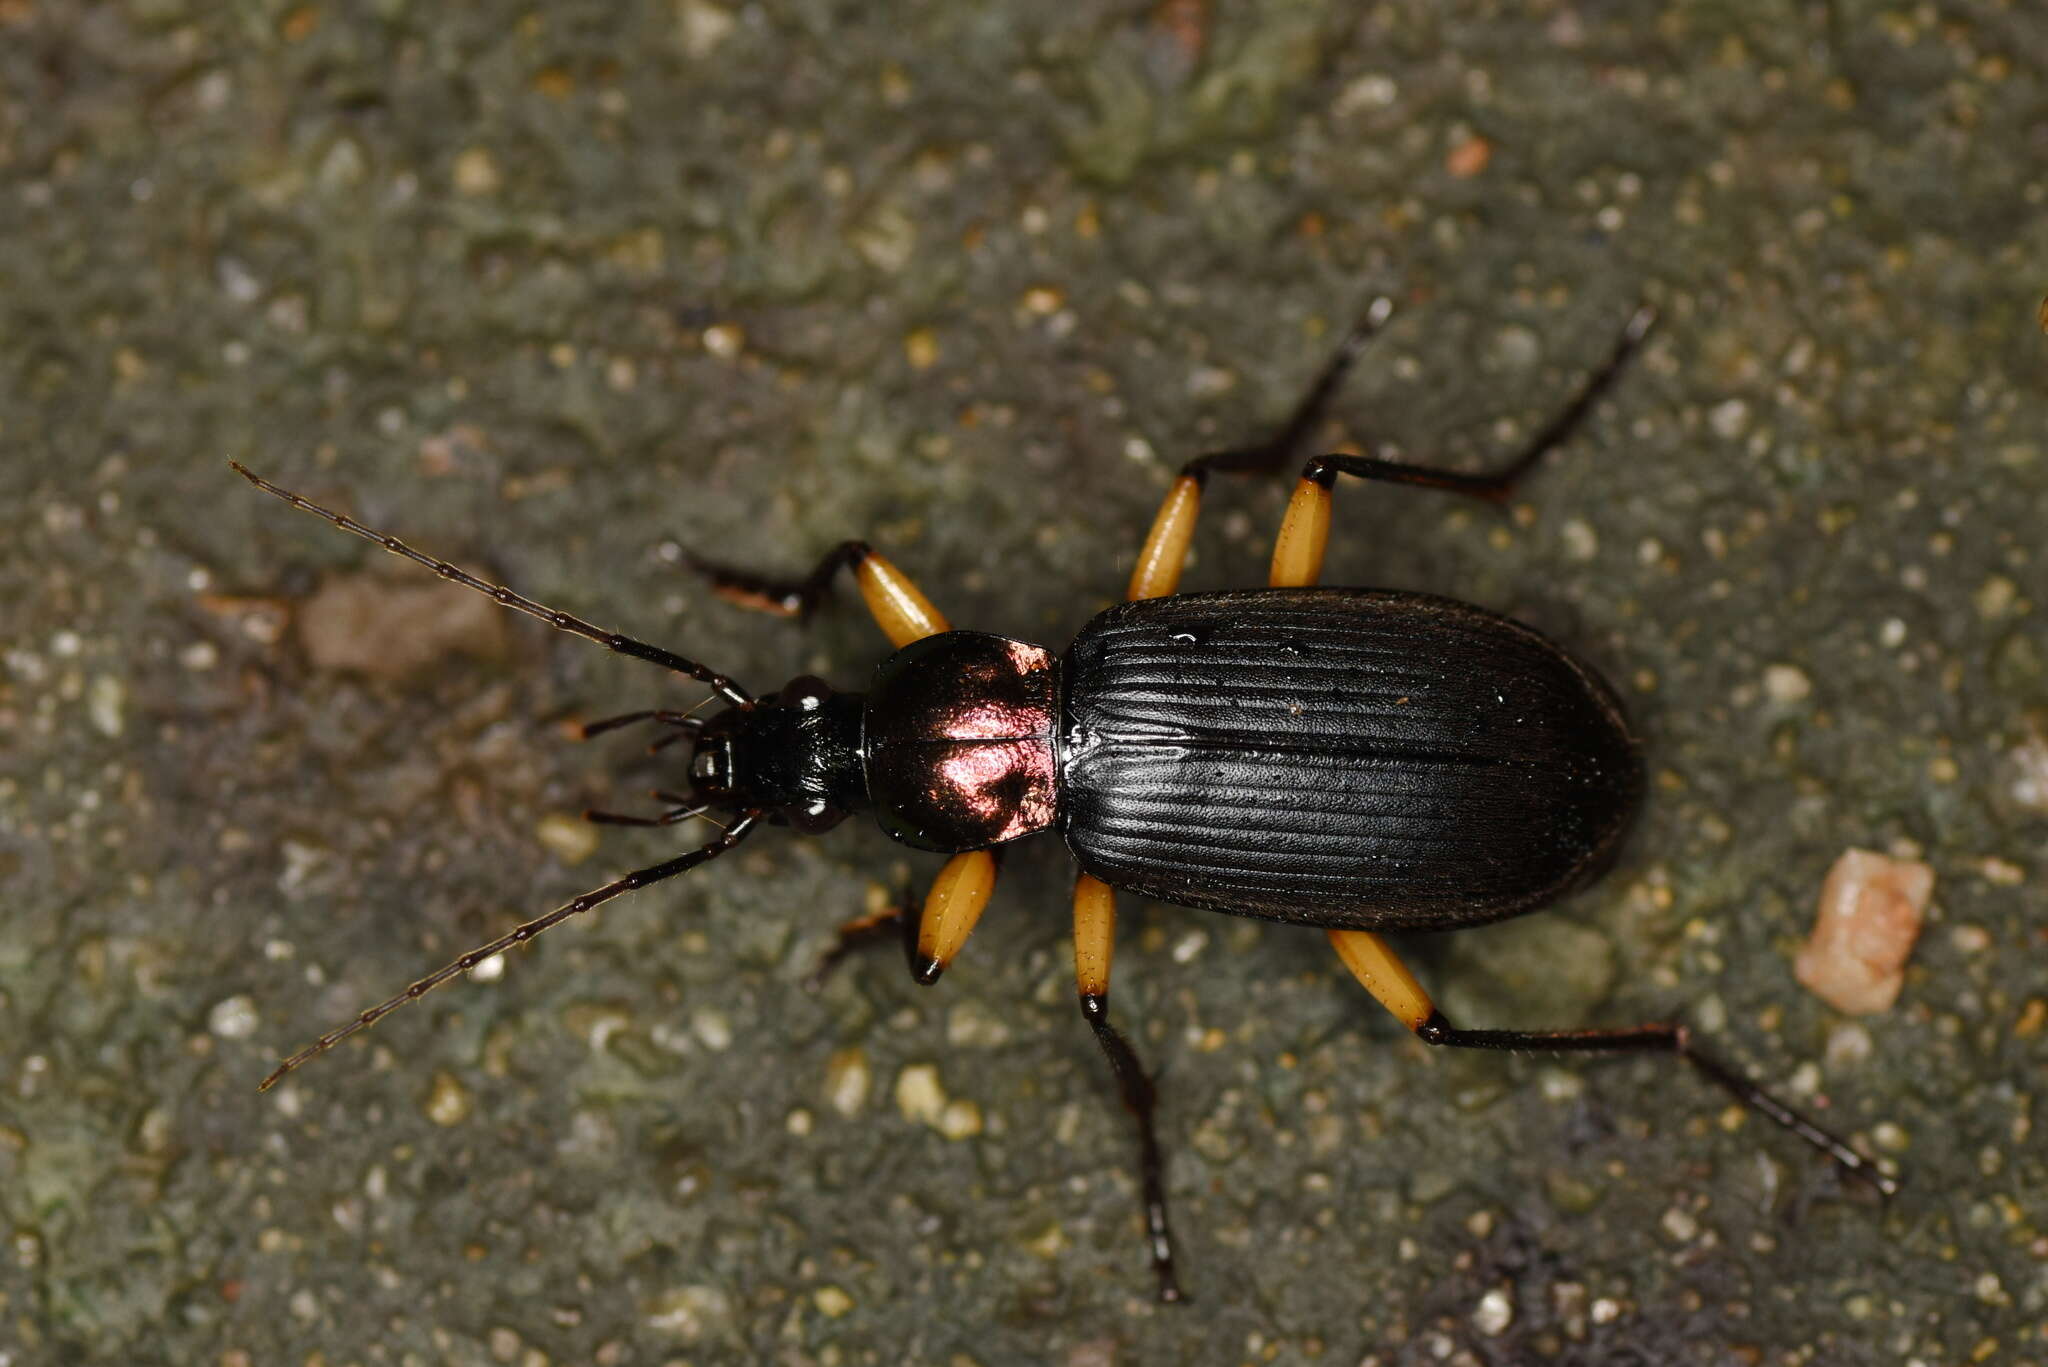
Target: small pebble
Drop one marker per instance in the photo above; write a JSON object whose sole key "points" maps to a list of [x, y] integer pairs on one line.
{"points": [[104, 705], [724, 340], [1495, 1313], [1469, 157], [1871, 907], [691, 1312], [919, 1095], [1848, 1044], [369, 624], [847, 1079], [960, 1120], [704, 26], [1729, 419], [568, 838], [711, 1028], [2025, 774], [476, 173], [1787, 684], [232, 1018], [448, 1101]]}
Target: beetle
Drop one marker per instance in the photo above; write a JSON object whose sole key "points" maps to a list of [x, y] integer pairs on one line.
{"points": [[1355, 760]]}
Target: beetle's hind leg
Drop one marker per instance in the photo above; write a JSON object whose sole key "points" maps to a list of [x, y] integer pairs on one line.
{"points": [[1382, 973], [897, 605], [1094, 944]]}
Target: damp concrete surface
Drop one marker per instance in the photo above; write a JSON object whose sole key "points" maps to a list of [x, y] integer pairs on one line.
{"points": [[568, 292]]}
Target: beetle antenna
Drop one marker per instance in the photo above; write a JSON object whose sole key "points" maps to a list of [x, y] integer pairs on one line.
{"points": [[562, 621], [640, 878], [682, 721]]}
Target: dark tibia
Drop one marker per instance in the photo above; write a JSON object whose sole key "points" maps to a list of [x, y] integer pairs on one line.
{"points": [[1499, 486], [1663, 1038], [1139, 1099], [796, 599], [1560, 428], [867, 929], [1286, 446]]}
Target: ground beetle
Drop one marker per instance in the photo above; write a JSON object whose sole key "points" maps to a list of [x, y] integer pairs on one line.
{"points": [[1357, 760]]}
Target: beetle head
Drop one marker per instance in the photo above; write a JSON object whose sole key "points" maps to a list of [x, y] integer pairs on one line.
{"points": [[796, 756]]}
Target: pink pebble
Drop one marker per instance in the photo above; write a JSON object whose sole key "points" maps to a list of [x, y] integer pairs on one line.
{"points": [[1871, 907]]}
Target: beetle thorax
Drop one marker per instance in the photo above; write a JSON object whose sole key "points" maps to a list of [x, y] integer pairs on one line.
{"points": [[959, 741]]}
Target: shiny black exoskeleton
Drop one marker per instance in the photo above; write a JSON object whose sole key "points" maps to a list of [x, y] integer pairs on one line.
{"points": [[1349, 758]]}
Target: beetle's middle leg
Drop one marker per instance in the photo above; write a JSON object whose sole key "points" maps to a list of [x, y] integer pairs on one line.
{"points": [[899, 608], [1165, 551], [1094, 944], [1382, 973], [1305, 532]]}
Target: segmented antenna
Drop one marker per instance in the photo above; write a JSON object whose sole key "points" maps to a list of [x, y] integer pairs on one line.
{"points": [[639, 878], [610, 640]]}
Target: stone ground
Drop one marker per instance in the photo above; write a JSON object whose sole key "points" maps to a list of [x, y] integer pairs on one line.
{"points": [[559, 289]]}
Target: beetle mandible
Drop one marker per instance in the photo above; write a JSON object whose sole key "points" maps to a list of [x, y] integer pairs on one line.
{"points": [[1356, 760]]}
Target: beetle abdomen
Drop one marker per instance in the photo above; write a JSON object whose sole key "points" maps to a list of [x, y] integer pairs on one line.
{"points": [[1354, 758]]}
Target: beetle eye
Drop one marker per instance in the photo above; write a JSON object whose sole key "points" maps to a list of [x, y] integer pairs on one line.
{"points": [[806, 693], [814, 817]]}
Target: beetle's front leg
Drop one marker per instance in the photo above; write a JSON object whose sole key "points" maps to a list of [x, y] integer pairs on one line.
{"points": [[1382, 973], [951, 909], [1094, 945], [958, 897], [865, 929], [898, 607]]}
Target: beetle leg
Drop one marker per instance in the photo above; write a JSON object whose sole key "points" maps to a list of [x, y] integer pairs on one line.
{"points": [[903, 613], [1165, 551], [863, 930], [1375, 965], [792, 598], [958, 897], [951, 909], [1305, 532], [1094, 945]]}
